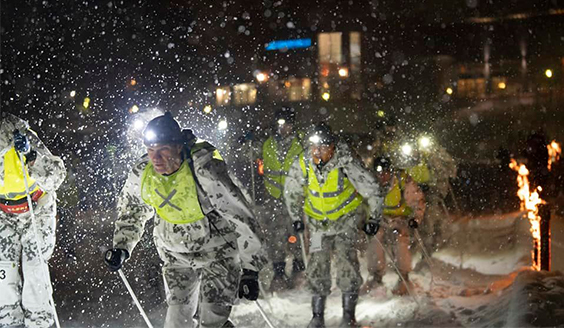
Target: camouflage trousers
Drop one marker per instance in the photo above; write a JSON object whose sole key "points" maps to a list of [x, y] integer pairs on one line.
{"points": [[200, 286], [25, 284], [394, 233], [341, 245], [276, 225]]}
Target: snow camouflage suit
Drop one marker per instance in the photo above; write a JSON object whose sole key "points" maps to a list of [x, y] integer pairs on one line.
{"points": [[338, 236], [400, 241], [203, 259], [275, 220], [25, 297]]}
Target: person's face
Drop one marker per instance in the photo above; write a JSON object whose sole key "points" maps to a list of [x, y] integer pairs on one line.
{"points": [[285, 129], [166, 159], [385, 177], [322, 153]]}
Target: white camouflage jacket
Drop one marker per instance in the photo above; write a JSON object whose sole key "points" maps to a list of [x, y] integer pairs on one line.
{"points": [[48, 170], [343, 159], [229, 220]]}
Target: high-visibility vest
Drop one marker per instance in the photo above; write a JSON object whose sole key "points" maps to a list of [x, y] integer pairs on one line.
{"points": [[174, 197], [394, 202], [336, 198], [420, 173], [275, 172], [14, 184]]}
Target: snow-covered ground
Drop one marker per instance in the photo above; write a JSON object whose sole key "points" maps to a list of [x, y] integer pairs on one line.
{"points": [[480, 278]]}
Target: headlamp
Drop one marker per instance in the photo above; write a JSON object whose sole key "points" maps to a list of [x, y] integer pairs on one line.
{"points": [[425, 142], [315, 139], [379, 168], [281, 122], [150, 135], [406, 149]]}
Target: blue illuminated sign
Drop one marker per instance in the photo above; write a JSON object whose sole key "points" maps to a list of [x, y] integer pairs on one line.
{"points": [[289, 44]]}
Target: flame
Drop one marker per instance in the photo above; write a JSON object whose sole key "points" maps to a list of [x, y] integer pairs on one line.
{"points": [[530, 202], [554, 152]]}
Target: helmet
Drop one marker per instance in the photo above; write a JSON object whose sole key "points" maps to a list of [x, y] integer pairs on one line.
{"points": [[163, 129], [285, 115], [322, 134]]}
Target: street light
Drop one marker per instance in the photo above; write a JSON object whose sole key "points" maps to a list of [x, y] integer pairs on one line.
{"points": [[72, 93], [326, 96], [261, 77], [343, 72], [449, 90], [134, 109], [207, 109], [548, 73]]}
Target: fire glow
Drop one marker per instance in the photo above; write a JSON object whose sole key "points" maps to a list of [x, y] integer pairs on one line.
{"points": [[554, 152], [530, 202]]}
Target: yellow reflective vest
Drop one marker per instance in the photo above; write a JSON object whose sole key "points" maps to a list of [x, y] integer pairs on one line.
{"points": [[14, 184], [334, 199], [421, 173], [174, 197], [394, 202], [275, 172]]}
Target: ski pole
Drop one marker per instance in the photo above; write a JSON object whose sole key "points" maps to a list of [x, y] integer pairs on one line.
{"points": [[425, 254], [261, 310], [264, 316], [398, 271], [130, 290], [304, 255], [39, 252], [423, 249]]}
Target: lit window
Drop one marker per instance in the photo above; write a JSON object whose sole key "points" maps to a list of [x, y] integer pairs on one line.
{"points": [[330, 50], [299, 89], [355, 51], [471, 88], [223, 96], [244, 94]]}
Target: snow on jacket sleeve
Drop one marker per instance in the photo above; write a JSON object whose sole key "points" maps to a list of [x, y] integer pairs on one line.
{"points": [[133, 213], [294, 191], [229, 202], [366, 185]]}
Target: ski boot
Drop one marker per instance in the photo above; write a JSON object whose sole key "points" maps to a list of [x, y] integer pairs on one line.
{"points": [[298, 278], [349, 307], [318, 309], [401, 288], [280, 281]]}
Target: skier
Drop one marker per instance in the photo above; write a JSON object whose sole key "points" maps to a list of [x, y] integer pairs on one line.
{"points": [[335, 184], [279, 151], [201, 219], [404, 208], [25, 285], [433, 171]]}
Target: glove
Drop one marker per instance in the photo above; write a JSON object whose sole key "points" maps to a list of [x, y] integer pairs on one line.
{"points": [[21, 142], [115, 258], [249, 285], [298, 226], [371, 227], [30, 157], [412, 223]]}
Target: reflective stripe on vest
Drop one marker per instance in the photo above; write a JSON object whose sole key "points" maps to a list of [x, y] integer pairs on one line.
{"points": [[275, 172], [14, 185], [174, 197], [394, 203], [336, 198]]}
